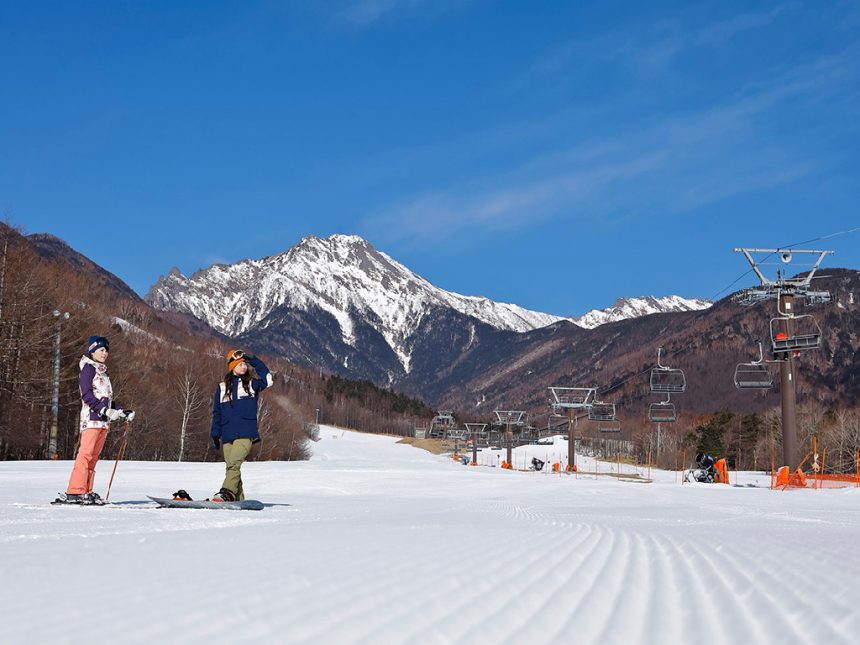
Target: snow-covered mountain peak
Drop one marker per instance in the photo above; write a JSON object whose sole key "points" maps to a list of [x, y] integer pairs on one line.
{"points": [[343, 275], [360, 287], [625, 308]]}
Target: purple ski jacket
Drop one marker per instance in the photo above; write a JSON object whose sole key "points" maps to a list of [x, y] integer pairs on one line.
{"points": [[96, 394]]}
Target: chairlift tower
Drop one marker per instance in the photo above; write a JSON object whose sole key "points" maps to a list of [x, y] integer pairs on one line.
{"points": [[475, 430], [572, 399], [790, 334], [441, 424], [509, 418]]}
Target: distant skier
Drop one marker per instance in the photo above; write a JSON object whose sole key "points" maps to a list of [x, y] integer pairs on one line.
{"points": [[98, 409], [234, 418]]}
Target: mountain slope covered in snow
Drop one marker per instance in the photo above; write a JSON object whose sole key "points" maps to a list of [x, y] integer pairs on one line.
{"points": [[353, 306], [342, 276], [626, 308]]}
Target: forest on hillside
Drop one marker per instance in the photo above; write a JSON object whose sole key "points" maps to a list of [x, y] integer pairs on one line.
{"points": [[163, 366]]}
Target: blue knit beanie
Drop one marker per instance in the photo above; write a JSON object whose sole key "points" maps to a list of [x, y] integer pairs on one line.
{"points": [[95, 342]]}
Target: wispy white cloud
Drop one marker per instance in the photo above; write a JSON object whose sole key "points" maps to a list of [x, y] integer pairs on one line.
{"points": [[650, 50], [720, 32], [365, 12], [362, 13], [672, 165]]}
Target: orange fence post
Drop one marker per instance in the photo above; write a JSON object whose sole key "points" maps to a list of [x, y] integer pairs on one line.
{"points": [[815, 470], [823, 460]]}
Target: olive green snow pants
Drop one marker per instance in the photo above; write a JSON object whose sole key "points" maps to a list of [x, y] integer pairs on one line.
{"points": [[235, 454]]}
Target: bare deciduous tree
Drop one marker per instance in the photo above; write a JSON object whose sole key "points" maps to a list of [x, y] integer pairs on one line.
{"points": [[191, 400]]}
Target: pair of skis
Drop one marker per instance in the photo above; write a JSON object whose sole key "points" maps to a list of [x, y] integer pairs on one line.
{"points": [[166, 502]]}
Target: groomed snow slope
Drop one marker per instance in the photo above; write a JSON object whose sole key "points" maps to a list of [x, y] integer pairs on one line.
{"points": [[377, 542]]}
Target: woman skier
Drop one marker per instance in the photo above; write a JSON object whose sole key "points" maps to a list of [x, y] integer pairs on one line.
{"points": [[98, 409], [234, 418]]}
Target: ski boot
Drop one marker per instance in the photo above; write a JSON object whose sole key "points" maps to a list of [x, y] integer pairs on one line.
{"points": [[69, 498], [223, 495], [93, 499]]}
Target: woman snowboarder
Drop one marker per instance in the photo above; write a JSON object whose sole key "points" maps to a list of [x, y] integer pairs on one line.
{"points": [[98, 409], [234, 418]]}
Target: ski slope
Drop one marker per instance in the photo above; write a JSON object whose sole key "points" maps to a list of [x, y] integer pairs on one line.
{"points": [[372, 541]]}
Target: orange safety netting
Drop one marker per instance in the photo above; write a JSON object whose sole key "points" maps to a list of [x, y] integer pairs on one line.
{"points": [[816, 478]]}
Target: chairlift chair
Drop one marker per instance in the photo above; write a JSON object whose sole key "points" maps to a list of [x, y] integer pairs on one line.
{"points": [[794, 333], [662, 412], [755, 375], [600, 411], [666, 379]]}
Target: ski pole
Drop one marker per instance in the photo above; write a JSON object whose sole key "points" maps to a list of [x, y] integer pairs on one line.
{"points": [[118, 457]]}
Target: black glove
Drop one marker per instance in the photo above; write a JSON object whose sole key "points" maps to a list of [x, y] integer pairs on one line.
{"points": [[216, 442]]}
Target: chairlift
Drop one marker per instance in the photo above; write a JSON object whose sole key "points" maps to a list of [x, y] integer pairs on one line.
{"points": [[600, 411], [755, 375], [662, 412], [666, 379], [794, 333]]}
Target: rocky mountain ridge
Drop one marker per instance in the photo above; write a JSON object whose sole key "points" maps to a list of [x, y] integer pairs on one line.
{"points": [[360, 312]]}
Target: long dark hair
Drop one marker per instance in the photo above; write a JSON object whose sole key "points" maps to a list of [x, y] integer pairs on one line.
{"points": [[245, 378]]}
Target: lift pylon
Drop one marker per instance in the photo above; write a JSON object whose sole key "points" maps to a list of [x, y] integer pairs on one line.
{"points": [[476, 430], [509, 418], [790, 333]]}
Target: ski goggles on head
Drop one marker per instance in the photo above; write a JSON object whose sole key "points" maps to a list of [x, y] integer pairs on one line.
{"points": [[235, 357]]}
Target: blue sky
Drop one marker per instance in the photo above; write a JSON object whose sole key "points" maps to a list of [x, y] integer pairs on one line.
{"points": [[554, 154]]}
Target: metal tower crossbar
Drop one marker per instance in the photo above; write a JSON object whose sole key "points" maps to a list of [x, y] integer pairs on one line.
{"points": [[509, 417], [476, 429], [799, 286], [572, 397]]}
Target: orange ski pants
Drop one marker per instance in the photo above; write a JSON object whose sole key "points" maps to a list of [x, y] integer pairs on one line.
{"points": [[84, 471]]}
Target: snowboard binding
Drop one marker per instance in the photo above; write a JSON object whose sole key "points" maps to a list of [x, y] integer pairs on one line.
{"points": [[181, 494]]}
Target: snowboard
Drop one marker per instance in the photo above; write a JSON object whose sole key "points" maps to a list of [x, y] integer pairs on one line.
{"points": [[244, 505]]}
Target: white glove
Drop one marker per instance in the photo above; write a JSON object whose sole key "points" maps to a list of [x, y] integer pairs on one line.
{"points": [[112, 414], [129, 415]]}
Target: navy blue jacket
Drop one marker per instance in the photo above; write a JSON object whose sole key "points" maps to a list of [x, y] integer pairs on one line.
{"points": [[234, 416]]}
